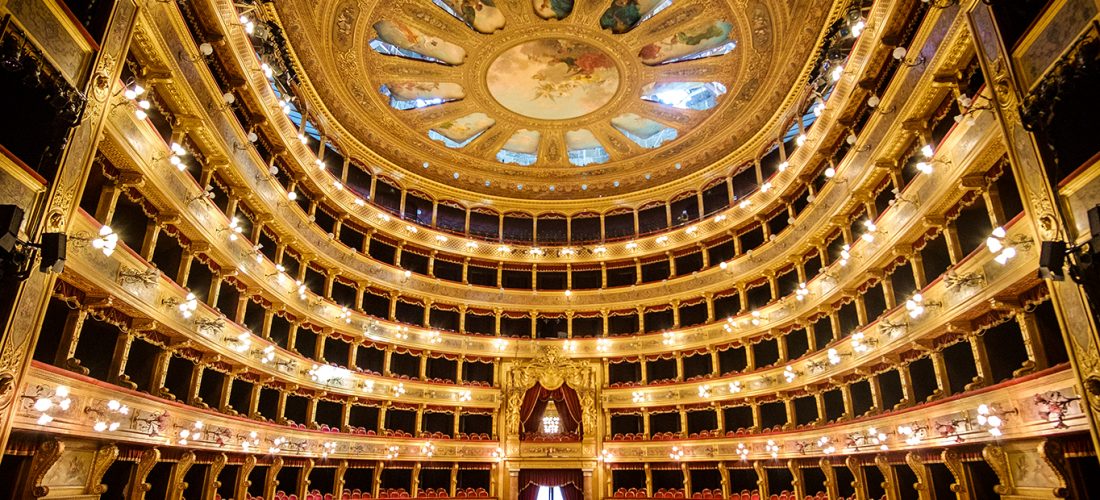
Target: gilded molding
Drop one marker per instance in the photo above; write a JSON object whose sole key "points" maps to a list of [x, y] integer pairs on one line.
{"points": [[241, 488], [105, 456], [924, 480], [47, 455], [178, 485], [954, 464], [137, 487], [1054, 455], [997, 459]]}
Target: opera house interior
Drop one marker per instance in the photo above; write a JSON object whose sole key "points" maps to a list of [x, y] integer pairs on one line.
{"points": [[549, 249]]}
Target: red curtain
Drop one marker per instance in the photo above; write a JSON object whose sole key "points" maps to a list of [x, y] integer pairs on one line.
{"points": [[570, 480], [534, 404]]}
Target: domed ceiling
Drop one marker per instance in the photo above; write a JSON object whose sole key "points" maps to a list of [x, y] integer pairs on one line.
{"points": [[552, 99]]}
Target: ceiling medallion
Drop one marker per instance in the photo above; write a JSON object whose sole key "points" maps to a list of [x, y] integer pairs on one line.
{"points": [[553, 78]]}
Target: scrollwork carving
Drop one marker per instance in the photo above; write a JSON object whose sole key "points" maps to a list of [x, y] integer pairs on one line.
{"points": [[997, 459], [104, 457], [954, 464], [49, 452], [1054, 455], [138, 487]]}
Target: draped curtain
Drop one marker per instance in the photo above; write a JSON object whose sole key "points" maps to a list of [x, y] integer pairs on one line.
{"points": [[534, 404], [570, 480]]}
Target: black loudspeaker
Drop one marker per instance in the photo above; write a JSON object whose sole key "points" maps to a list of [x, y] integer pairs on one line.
{"points": [[1094, 221], [1052, 260], [53, 252], [11, 218]]}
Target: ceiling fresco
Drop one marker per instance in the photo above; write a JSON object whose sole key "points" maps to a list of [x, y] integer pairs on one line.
{"points": [[569, 99]]}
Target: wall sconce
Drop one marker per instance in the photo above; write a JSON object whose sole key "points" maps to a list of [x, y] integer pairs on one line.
{"points": [[801, 292], [105, 241], [789, 374], [134, 95], [735, 387], [916, 305], [704, 391], [209, 326], [108, 418], [993, 418], [205, 50], [676, 454], [742, 451], [328, 448], [206, 194], [146, 278], [239, 343], [1053, 407], [968, 280], [250, 441], [845, 254], [899, 54], [970, 106], [392, 452], [637, 397], [913, 433], [1005, 247], [45, 401], [772, 448], [899, 198], [874, 101], [272, 171], [186, 307], [871, 231], [234, 229], [872, 437], [427, 449]]}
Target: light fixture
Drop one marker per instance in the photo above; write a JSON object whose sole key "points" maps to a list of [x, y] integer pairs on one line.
{"points": [[637, 397], [874, 101], [106, 241], [742, 451], [551, 421], [834, 356], [800, 140], [927, 150], [676, 454], [912, 433], [899, 54], [771, 448], [1004, 247], [789, 374], [186, 307], [845, 254], [801, 292], [836, 73], [992, 419], [704, 391], [427, 449], [869, 235], [500, 344], [735, 387]]}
